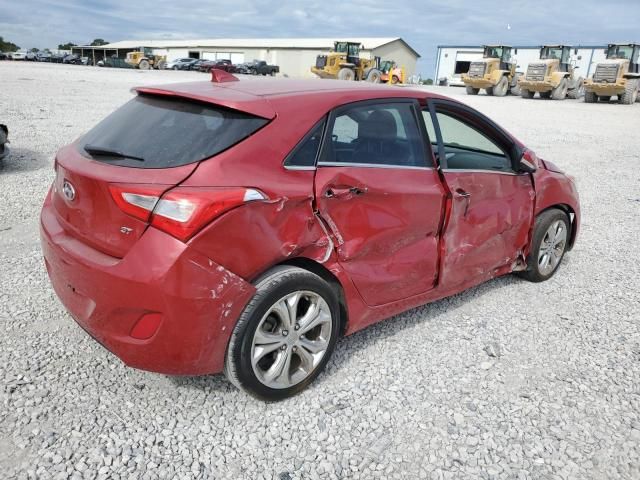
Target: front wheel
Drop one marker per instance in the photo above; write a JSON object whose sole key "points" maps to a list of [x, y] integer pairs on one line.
{"points": [[285, 335], [502, 87], [560, 92], [590, 97], [550, 240], [346, 74]]}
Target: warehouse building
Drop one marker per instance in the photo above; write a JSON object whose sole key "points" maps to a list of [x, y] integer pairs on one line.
{"points": [[454, 60], [294, 56]]}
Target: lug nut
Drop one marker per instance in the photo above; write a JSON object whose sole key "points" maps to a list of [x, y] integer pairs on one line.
{"points": [[297, 327], [295, 349], [283, 347], [285, 332]]}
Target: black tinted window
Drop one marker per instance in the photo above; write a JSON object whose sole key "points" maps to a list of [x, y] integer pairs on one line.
{"points": [[376, 134], [166, 132], [304, 154]]}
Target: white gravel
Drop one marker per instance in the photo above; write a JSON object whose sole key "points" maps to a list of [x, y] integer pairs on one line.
{"points": [[508, 380]]}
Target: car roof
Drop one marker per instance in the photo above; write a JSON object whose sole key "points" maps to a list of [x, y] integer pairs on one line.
{"points": [[261, 97]]}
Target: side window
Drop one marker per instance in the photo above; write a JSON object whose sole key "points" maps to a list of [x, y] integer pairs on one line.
{"points": [[466, 148], [376, 134], [304, 154]]}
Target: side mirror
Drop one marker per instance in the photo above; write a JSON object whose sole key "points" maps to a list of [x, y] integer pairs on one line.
{"points": [[528, 162], [515, 51], [579, 57]]}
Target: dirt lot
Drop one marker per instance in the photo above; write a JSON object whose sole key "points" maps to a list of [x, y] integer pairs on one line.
{"points": [[414, 397]]}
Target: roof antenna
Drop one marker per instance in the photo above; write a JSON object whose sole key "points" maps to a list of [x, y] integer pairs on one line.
{"points": [[220, 76]]}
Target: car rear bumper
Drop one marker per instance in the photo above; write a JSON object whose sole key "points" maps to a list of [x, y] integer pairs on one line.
{"points": [[193, 301]]}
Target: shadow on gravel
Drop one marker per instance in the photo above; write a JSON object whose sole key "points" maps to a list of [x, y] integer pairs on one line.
{"points": [[22, 160]]}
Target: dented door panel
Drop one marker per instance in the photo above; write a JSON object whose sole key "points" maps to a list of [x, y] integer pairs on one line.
{"points": [[488, 228], [385, 224]]}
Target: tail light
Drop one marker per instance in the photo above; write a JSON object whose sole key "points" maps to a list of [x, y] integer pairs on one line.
{"points": [[181, 211]]}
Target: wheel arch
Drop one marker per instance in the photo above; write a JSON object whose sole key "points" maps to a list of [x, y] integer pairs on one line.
{"points": [[323, 272]]}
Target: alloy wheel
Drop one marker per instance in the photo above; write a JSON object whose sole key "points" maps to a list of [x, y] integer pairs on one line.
{"points": [[552, 247]]}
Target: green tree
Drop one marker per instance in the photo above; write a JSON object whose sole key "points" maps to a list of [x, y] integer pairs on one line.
{"points": [[98, 42], [34, 50], [66, 46], [6, 46]]}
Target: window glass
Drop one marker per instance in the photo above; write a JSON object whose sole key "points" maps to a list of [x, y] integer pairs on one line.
{"points": [[156, 132], [465, 147], [379, 134], [304, 154]]}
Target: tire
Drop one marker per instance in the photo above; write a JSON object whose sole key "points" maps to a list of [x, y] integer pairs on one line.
{"points": [[346, 74], [280, 338], [578, 91], [374, 76], [560, 92], [143, 65], [545, 95], [547, 251], [630, 95], [472, 91], [524, 93], [590, 97], [489, 91], [502, 87], [515, 86], [395, 80], [160, 65]]}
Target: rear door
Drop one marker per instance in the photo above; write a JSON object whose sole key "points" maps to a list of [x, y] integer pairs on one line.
{"points": [[491, 205], [377, 189]]}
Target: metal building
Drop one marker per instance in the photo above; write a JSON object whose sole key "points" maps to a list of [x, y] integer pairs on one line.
{"points": [[453, 60], [295, 56]]}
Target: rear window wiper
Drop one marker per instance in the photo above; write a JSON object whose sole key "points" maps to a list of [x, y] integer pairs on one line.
{"points": [[109, 152]]}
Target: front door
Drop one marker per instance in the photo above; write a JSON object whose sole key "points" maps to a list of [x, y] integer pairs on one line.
{"points": [[378, 192], [491, 204]]}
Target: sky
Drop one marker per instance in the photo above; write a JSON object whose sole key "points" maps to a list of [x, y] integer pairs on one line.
{"points": [[423, 24]]}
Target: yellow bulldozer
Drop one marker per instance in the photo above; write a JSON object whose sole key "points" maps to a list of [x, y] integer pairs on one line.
{"points": [[618, 75], [553, 76], [344, 63], [495, 73], [146, 60]]}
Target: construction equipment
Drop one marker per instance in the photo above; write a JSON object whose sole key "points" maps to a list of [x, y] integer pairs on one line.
{"points": [[496, 72], [553, 76], [618, 75], [390, 71], [145, 59], [344, 63]]}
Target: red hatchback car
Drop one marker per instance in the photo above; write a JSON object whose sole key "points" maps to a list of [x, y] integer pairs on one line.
{"points": [[243, 226]]}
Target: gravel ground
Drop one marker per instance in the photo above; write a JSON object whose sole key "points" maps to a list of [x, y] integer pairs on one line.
{"points": [[508, 380]]}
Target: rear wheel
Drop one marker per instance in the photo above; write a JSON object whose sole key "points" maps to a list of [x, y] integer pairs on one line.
{"points": [[144, 65], [395, 79], [472, 91], [346, 74], [590, 97], [374, 76], [524, 93], [502, 87], [550, 240], [285, 335], [161, 64], [560, 92], [630, 94]]}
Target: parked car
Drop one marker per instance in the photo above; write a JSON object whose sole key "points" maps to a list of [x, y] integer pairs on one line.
{"points": [[179, 64], [4, 139], [57, 57], [6, 56], [196, 64], [244, 229], [72, 59], [224, 65], [21, 55], [31, 57], [43, 56], [260, 67]]}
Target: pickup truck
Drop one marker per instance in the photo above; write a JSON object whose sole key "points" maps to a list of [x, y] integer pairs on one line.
{"points": [[260, 67]]}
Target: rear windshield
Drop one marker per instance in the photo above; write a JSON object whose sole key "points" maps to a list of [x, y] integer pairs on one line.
{"points": [[156, 132]]}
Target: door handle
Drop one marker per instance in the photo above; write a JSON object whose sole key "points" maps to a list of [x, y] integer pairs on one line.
{"points": [[460, 193], [338, 192]]}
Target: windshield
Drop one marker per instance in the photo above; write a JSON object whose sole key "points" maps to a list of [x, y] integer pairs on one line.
{"points": [[551, 53], [620, 51], [153, 132], [493, 52]]}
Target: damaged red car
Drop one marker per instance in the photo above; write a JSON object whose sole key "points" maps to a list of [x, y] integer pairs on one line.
{"points": [[244, 226]]}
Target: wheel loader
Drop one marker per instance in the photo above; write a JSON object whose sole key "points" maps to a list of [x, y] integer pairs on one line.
{"points": [[496, 72], [344, 63], [390, 72], [145, 60], [618, 75], [553, 76]]}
